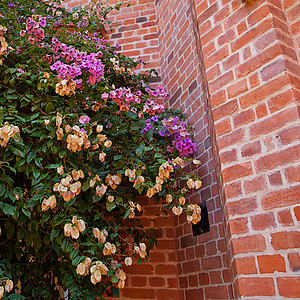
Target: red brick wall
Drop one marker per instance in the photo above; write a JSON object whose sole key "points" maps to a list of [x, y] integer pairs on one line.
{"points": [[239, 91], [250, 55]]}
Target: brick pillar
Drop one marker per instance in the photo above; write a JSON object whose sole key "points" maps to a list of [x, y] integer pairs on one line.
{"points": [[252, 67]]}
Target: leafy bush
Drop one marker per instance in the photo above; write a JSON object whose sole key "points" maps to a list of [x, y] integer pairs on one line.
{"points": [[81, 136]]}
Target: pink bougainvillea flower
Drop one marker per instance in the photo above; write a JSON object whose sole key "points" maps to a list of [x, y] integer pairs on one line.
{"points": [[18, 50], [42, 21], [20, 71], [104, 96], [84, 119], [31, 39], [22, 32]]}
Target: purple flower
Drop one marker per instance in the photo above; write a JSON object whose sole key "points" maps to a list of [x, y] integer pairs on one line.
{"points": [[154, 93]]}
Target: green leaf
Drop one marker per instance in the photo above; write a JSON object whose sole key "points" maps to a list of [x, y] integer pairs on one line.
{"points": [[54, 233], [8, 209], [110, 205], [49, 107], [16, 297], [115, 291], [16, 151], [114, 279]]}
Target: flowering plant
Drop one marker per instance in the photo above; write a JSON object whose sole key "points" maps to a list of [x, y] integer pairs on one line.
{"points": [[81, 137]]}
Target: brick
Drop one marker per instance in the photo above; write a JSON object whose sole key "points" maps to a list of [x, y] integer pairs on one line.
{"points": [[233, 190], [251, 243], [241, 207], [191, 266], [211, 263], [223, 127], [167, 294], [231, 138], [281, 198], [245, 265], [276, 159], [251, 149], [275, 178], [238, 225], [138, 281], [256, 184], [263, 91], [215, 277], [237, 88], [263, 221], [256, 286], [237, 171], [216, 292], [271, 263], [156, 281], [139, 293], [281, 100], [221, 81], [272, 70], [285, 217], [273, 122], [289, 286], [294, 261], [165, 269], [289, 135], [297, 212], [228, 156], [285, 240], [225, 110]]}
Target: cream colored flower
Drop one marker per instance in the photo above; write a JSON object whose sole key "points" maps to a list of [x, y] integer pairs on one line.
{"points": [[99, 128], [7, 132], [111, 198], [107, 143], [128, 261], [169, 198], [58, 120], [59, 134], [65, 87], [177, 210], [82, 269], [8, 285], [196, 162], [101, 137], [181, 200], [1, 291], [131, 174], [96, 233], [198, 184], [109, 248], [60, 170], [102, 156], [121, 284], [139, 180], [191, 183], [101, 190]]}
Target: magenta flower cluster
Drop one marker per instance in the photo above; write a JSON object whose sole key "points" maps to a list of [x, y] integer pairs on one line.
{"points": [[81, 61], [35, 30], [176, 128]]}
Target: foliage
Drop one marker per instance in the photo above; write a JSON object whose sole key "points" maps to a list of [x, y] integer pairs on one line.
{"points": [[81, 136]]}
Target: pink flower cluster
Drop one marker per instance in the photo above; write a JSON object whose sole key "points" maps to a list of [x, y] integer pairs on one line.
{"points": [[36, 33], [81, 61], [123, 97]]}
